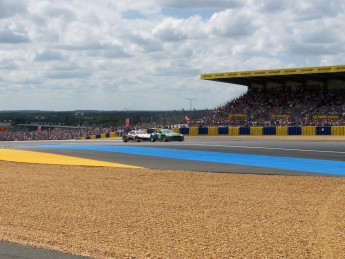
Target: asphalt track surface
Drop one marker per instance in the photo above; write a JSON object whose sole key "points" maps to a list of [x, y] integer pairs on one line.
{"points": [[217, 154], [214, 154]]}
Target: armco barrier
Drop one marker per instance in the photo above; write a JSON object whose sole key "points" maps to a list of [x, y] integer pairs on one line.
{"points": [[270, 131], [324, 130]]}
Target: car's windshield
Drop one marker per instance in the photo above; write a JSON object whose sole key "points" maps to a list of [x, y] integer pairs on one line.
{"points": [[167, 131], [140, 132]]}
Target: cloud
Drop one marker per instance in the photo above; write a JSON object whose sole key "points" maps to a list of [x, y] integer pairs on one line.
{"points": [[9, 8], [202, 4], [149, 54], [49, 55], [74, 74], [8, 36], [171, 29], [230, 23]]}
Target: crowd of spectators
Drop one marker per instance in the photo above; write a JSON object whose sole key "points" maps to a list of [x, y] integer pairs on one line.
{"points": [[312, 106], [52, 133], [274, 107]]}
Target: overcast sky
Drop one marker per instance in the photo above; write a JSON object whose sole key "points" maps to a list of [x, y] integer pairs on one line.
{"points": [[148, 55]]}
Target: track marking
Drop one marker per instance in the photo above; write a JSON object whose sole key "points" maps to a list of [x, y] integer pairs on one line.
{"points": [[271, 148], [274, 162], [33, 157]]}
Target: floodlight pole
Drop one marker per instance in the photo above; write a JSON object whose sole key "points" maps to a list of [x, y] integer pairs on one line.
{"points": [[190, 102], [79, 114]]}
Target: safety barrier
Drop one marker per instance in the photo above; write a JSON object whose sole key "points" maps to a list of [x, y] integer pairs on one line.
{"points": [[223, 130], [338, 130], [295, 130], [234, 131], [309, 130], [282, 130], [256, 130], [203, 131], [265, 131], [324, 130], [244, 131], [253, 131], [213, 131], [193, 131]]}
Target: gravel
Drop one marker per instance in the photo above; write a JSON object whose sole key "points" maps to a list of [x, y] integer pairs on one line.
{"points": [[105, 212]]}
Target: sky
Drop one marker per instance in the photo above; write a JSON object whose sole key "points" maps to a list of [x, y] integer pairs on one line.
{"points": [[62, 55]]}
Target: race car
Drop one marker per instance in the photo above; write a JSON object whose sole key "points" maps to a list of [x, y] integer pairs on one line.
{"points": [[165, 135], [136, 135]]}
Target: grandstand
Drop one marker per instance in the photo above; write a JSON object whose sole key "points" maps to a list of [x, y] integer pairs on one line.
{"points": [[310, 96]]}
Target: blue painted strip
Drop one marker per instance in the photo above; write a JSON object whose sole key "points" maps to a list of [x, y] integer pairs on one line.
{"points": [[284, 163]]}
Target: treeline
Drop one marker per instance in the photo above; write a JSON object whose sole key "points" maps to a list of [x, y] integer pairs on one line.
{"points": [[97, 118]]}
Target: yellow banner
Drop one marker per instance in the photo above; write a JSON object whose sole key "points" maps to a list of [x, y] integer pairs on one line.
{"points": [[238, 115], [280, 116], [331, 117]]}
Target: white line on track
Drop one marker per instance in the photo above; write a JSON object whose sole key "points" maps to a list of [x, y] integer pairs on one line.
{"points": [[271, 148]]}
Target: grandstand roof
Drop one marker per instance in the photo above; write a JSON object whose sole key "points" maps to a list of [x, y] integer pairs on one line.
{"points": [[300, 75]]}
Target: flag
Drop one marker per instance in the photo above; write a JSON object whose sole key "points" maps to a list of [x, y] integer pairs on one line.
{"points": [[186, 118], [39, 128], [127, 122]]}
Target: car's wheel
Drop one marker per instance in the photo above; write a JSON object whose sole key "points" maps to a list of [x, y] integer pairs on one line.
{"points": [[125, 139], [164, 139], [152, 138], [137, 139]]}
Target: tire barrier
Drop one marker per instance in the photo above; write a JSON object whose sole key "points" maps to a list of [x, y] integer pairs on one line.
{"points": [[223, 131], [267, 131], [213, 131], [253, 131], [185, 131], [338, 130], [282, 131], [234, 131], [309, 130], [244, 131], [203, 131], [294, 131], [256, 131], [325, 130]]}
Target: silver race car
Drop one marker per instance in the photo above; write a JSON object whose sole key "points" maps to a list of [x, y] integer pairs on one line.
{"points": [[136, 135]]}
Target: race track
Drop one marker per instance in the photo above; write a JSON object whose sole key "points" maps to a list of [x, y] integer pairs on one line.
{"points": [[213, 154], [226, 155]]}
